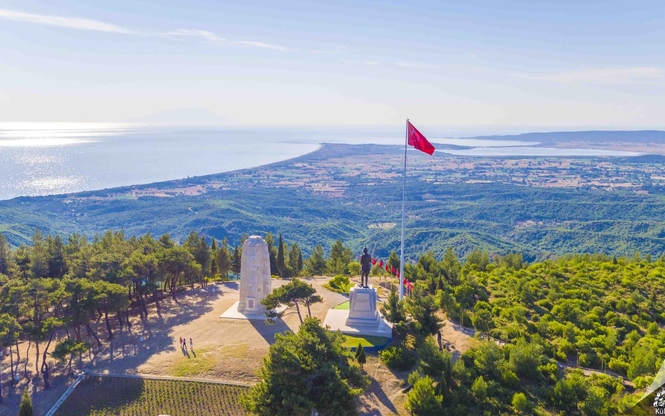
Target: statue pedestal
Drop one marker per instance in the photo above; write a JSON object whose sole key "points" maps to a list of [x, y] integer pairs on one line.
{"points": [[362, 318], [362, 307]]}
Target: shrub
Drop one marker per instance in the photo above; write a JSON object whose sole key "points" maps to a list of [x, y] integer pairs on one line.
{"points": [[339, 284], [520, 402], [398, 358], [26, 405]]}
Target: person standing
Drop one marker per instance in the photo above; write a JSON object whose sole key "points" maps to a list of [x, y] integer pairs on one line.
{"points": [[365, 266], [191, 344]]}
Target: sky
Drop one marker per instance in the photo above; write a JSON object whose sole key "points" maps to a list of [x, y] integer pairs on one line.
{"points": [[497, 63]]}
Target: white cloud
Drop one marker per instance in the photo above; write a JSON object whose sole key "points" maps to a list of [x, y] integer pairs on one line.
{"points": [[214, 38], [365, 62], [68, 22], [95, 25], [604, 75], [414, 65]]}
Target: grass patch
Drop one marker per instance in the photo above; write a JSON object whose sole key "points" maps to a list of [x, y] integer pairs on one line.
{"points": [[101, 396], [365, 341], [236, 350], [344, 306], [201, 361]]}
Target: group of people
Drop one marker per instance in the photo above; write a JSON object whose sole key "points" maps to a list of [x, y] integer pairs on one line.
{"points": [[183, 343]]}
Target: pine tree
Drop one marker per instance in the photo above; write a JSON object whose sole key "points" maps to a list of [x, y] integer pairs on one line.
{"points": [[393, 309], [5, 255], [237, 259], [213, 264], [224, 258], [295, 260], [26, 405], [360, 355], [339, 259], [281, 265], [316, 263], [272, 252]]}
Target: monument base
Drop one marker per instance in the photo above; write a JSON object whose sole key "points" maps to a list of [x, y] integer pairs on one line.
{"points": [[232, 313], [337, 320], [361, 318]]}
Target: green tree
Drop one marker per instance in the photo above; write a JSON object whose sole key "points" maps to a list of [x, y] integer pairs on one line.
{"points": [[224, 259], [339, 259], [520, 402], [272, 253], [5, 255], [422, 309], [68, 349], [25, 409], [295, 260], [290, 294], [236, 259], [316, 263], [482, 320], [525, 358], [642, 361], [360, 355], [393, 308], [304, 372], [281, 264], [433, 362], [422, 400], [214, 269], [479, 389]]}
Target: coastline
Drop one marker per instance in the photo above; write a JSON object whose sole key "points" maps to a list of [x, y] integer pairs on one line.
{"points": [[173, 182]]}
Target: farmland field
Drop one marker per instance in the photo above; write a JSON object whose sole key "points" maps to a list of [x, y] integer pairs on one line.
{"points": [[138, 397]]}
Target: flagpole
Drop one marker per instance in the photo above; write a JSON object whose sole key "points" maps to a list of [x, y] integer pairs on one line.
{"points": [[401, 257]]}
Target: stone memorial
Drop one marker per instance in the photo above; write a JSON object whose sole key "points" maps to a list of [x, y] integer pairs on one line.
{"points": [[255, 283]]}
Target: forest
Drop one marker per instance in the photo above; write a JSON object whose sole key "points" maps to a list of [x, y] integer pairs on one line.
{"points": [[578, 333]]}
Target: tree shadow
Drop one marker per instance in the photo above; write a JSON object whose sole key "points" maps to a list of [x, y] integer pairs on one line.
{"points": [[268, 331], [131, 347], [377, 391]]}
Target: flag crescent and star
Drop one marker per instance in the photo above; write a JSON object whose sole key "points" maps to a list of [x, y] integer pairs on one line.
{"points": [[417, 140]]}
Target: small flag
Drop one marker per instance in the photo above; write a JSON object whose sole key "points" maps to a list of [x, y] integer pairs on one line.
{"points": [[417, 140], [373, 261], [393, 269], [380, 263]]}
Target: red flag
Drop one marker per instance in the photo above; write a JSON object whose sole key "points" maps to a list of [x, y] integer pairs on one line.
{"points": [[393, 269], [397, 273], [417, 140], [373, 261], [387, 268], [380, 263]]}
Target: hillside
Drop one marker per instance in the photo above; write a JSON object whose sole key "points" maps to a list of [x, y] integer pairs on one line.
{"points": [[538, 206]]}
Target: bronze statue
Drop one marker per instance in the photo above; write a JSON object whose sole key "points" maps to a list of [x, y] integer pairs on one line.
{"points": [[365, 267]]}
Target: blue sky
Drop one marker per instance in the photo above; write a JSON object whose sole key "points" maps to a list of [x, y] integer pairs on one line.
{"points": [[564, 64]]}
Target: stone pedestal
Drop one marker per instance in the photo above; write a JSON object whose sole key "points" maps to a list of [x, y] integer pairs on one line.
{"points": [[362, 307], [362, 318]]}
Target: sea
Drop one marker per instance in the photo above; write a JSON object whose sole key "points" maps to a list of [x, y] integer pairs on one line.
{"points": [[57, 158]]}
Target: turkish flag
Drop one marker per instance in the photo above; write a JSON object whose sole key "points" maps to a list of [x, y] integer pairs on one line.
{"points": [[387, 268], [417, 140], [393, 269], [380, 263], [373, 261]]}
